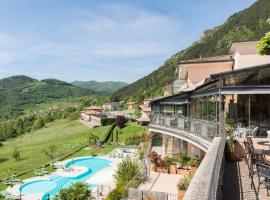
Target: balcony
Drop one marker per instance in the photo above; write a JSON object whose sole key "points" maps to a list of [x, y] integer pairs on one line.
{"points": [[197, 132]]}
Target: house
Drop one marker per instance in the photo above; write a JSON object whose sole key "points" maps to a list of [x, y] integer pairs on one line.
{"points": [[192, 73], [131, 105], [232, 88], [144, 119], [92, 115], [111, 106]]}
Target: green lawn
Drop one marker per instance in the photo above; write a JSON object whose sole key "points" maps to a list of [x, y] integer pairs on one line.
{"points": [[65, 134], [130, 129]]}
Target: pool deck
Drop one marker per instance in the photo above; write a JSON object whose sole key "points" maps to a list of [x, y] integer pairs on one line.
{"points": [[102, 178]]}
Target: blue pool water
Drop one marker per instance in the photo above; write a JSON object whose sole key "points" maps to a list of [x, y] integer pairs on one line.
{"points": [[56, 183]]}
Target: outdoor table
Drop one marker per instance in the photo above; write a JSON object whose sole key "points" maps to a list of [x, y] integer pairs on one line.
{"points": [[241, 132]]}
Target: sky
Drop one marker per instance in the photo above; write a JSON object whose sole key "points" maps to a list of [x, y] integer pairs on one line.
{"points": [[118, 40]]}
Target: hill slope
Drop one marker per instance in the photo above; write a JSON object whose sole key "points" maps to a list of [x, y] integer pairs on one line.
{"points": [[108, 86], [19, 92], [249, 24]]}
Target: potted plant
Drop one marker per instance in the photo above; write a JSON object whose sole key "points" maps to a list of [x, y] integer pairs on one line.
{"points": [[154, 157], [194, 163], [162, 167], [229, 150], [183, 185], [170, 162]]}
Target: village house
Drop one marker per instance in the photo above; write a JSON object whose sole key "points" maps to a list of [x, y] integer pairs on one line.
{"points": [[131, 105], [112, 106]]}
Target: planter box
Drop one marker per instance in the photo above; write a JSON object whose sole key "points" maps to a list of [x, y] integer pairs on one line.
{"points": [[164, 170], [193, 169], [181, 194], [230, 156], [153, 167], [184, 172], [173, 169]]}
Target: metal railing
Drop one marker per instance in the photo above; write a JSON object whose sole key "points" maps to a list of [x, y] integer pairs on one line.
{"points": [[205, 129]]}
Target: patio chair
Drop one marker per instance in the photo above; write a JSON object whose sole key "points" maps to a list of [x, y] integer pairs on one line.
{"points": [[251, 148], [263, 172], [254, 160], [254, 131]]}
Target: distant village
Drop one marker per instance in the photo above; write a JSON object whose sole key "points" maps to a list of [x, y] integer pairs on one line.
{"points": [[95, 116]]}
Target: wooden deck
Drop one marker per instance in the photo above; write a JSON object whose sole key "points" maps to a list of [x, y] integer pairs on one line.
{"points": [[237, 185]]}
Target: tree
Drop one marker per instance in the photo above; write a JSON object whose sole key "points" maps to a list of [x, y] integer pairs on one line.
{"points": [[39, 123], [128, 174], [264, 43], [16, 154], [50, 152], [78, 191]]}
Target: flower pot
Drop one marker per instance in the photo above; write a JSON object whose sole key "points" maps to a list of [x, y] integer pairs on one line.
{"points": [[153, 167], [181, 194], [173, 169], [230, 156], [158, 169], [164, 170], [193, 169], [183, 171]]}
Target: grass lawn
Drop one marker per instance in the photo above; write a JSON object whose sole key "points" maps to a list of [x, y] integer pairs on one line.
{"points": [[66, 135]]}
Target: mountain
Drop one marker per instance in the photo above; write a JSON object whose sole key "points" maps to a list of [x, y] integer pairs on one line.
{"points": [[19, 92], [249, 24], [108, 86]]}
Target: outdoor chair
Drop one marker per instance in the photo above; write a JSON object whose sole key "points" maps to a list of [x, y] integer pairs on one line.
{"points": [[254, 131], [251, 149], [263, 176], [254, 160]]}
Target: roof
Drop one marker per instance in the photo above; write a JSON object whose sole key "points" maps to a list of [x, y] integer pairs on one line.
{"points": [[144, 119], [224, 58], [131, 102], [145, 108], [238, 43], [247, 69], [94, 108]]}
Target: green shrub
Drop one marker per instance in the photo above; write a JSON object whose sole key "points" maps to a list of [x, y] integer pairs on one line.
{"points": [[39, 123], [78, 191], [115, 194], [184, 182], [16, 154]]}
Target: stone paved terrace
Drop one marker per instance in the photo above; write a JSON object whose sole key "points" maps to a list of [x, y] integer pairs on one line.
{"points": [[237, 184]]}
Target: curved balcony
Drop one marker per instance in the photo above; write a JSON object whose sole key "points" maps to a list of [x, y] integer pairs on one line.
{"points": [[197, 132]]}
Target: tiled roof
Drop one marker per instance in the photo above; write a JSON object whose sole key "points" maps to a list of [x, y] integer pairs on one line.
{"points": [[224, 58]]}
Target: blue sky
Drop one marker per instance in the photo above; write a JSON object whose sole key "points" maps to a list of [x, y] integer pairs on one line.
{"points": [[101, 39]]}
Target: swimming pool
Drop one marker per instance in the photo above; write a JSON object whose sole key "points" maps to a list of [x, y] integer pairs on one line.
{"points": [[56, 183]]}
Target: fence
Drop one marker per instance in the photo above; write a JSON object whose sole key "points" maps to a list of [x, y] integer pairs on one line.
{"points": [[135, 194]]}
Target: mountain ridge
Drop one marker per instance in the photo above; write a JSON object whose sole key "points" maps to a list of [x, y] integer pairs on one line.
{"points": [[245, 25], [105, 86], [19, 92]]}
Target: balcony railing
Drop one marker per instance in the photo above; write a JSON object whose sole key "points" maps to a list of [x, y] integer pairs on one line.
{"points": [[205, 129]]}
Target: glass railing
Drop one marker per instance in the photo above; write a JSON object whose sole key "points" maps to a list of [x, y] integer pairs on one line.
{"points": [[202, 128]]}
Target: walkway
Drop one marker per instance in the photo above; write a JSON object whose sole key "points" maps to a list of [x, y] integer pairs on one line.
{"points": [[161, 182], [236, 182]]}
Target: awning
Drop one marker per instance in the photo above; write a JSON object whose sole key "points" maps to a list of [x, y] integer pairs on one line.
{"points": [[175, 102], [246, 90]]}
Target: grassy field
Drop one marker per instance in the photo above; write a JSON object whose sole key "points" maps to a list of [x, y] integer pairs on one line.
{"points": [[66, 135]]}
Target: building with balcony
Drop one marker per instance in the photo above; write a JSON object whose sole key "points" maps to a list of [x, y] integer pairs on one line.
{"points": [[214, 93]]}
